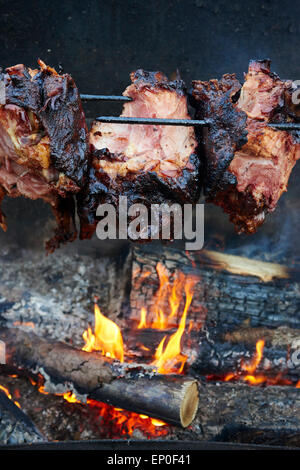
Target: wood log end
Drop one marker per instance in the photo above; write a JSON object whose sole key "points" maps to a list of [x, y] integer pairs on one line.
{"points": [[189, 404]]}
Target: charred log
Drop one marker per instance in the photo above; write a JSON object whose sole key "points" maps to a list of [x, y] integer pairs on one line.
{"points": [[235, 304], [226, 409], [227, 406], [170, 398], [230, 289], [274, 436], [15, 425]]}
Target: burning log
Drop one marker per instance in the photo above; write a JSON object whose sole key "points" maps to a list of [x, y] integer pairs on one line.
{"points": [[15, 425], [230, 289], [173, 399], [236, 302]]}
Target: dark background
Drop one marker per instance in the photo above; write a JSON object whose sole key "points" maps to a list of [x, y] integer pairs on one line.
{"points": [[100, 42]]}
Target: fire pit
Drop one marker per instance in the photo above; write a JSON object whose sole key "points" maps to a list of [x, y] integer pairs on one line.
{"points": [[195, 316], [116, 340]]}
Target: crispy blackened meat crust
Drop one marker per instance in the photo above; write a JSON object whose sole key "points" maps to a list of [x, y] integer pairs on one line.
{"points": [[43, 143], [215, 100], [65, 231], [147, 164], [56, 102], [261, 167], [144, 188]]}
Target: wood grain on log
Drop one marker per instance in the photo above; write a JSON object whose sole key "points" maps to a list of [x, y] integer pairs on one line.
{"points": [[170, 398], [244, 266]]}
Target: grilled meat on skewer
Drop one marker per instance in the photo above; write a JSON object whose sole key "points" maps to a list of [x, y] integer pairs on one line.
{"points": [[247, 178], [146, 163], [43, 142]]}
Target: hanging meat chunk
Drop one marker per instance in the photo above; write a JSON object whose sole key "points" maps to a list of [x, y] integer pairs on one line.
{"points": [[146, 163], [246, 177], [43, 142]]}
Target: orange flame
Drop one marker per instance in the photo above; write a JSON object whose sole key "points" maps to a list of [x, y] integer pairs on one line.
{"points": [[175, 297], [143, 323], [169, 296], [107, 338], [252, 366], [70, 397], [170, 359], [160, 321], [256, 379]]}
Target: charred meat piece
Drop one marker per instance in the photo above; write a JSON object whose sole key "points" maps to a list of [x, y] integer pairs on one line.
{"points": [[260, 169], [216, 100], [43, 142], [146, 163]]}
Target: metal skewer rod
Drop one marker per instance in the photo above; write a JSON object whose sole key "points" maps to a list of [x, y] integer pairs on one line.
{"points": [[104, 98], [152, 121], [181, 122], [289, 126]]}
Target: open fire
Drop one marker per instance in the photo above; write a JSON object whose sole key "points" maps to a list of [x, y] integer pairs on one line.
{"points": [[248, 371], [167, 359], [107, 337], [170, 323]]}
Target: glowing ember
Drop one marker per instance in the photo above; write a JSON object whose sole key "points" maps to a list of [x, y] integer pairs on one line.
{"points": [[248, 373], [7, 393], [28, 324], [107, 337], [43, 391], [118, 422]]}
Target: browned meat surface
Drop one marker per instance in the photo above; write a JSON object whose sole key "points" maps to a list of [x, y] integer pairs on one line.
{"points": [[261, 168], [148, 164], [43, 142]]}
